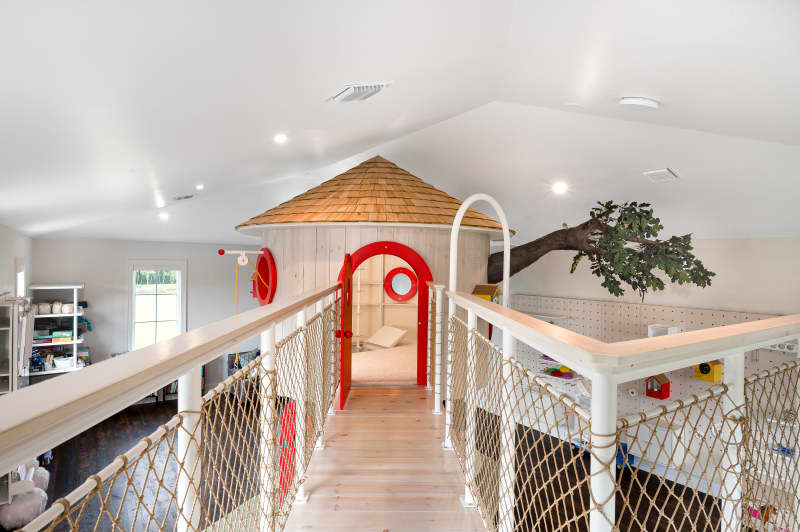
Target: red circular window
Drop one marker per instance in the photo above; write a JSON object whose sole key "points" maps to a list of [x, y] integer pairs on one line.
{"points": [[400, 284]]}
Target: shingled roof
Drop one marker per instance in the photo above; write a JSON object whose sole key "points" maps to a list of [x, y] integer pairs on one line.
{"points": [[375, 191]]}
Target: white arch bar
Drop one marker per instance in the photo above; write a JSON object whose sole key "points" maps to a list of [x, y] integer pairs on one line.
{"points": [[454, 245], [507, 466]]}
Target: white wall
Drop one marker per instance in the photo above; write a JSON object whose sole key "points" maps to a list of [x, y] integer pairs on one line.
{"points": [[102, 265], [13, 246], [756, 275]]}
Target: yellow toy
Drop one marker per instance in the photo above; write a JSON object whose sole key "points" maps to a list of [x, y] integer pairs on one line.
{"points": [[709, 371], [489, 292]]}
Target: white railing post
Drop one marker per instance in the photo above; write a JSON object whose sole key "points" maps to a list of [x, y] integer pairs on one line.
{"points": [[603, 450], [431, 329], [733, 409], [437, 392], [320, 414], [190, 401], [300, 411], [268, 443], [471, 409], [508, 434]]}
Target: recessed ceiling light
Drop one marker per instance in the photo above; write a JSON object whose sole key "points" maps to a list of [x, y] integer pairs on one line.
{"points": [[560, 188], [163, 215], [640, 101], [159, 199], [199, 187], [280, 138]]}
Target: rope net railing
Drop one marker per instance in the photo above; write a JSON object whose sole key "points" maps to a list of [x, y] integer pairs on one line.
{"points": [[235, 465], [771, 474], [699, 464]]}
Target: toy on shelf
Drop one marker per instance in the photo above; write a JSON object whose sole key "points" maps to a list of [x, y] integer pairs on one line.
{"points": [[657, 386], [623, 456], [783, 450], [763, 513], [709, 371], [563, 372], [657, 329], [489, 292]]}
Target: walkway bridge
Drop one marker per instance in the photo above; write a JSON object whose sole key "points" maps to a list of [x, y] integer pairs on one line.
{"points": [[503, 449]]}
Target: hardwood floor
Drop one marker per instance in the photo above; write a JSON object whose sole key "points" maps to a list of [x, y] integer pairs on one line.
{"points": [[383, 469]]}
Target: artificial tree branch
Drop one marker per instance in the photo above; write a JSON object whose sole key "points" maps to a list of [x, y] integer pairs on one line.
{"points": [[605, 240]]}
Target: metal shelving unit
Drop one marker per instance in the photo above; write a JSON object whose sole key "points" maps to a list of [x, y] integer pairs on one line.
{"points": [[6, 347], [35, 290]]}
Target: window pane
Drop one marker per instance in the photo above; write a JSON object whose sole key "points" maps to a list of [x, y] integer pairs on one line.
{"points": [[144, 334], [171, 288], [145, 308], [167, 307], [166, 329], [146, 288]]}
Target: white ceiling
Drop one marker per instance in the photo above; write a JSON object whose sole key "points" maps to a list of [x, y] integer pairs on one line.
{"points": [[105, 107]]}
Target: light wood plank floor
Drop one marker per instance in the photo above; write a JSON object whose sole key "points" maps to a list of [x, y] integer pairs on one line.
{"points": [[383, 469]]}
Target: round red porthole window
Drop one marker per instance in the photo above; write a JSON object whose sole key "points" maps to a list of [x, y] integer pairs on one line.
{"points": [[400, 284]]}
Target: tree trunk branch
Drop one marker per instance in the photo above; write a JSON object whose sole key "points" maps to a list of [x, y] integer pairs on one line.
{"points": [[572, 238]]}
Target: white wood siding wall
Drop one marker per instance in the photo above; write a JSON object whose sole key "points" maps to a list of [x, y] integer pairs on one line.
{"points": [[311, 256]]}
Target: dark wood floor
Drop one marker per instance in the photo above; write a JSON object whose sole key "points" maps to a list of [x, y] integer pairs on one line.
{"points": [[89, 452]]}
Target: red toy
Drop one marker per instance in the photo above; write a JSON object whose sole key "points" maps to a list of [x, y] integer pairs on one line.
{"points": [[287, 461], [657, 386]]}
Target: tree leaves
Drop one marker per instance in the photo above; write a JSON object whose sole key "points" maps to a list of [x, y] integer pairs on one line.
{"points": [[625, 249]]}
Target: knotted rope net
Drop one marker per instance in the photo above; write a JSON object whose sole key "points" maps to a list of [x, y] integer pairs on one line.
{"points": [[707, 462], [235, 465]]}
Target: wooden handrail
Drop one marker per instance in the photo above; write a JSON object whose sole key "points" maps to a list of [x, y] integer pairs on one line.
{"points": [[632, 359], [37, 418]]}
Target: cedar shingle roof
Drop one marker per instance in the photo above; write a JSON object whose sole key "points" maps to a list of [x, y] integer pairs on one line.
{"points": [[376, 191]]}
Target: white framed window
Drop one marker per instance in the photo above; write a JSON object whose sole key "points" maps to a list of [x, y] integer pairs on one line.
{"points": [[157, 301], [19, 267]]}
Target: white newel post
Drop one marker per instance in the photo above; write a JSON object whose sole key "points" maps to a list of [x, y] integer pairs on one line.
{"points": [[603, 451], [300, 414], [323, 358], [733, 407], [471, 409], [437, 392], [190, 401], [508, 430], [268, 474]]}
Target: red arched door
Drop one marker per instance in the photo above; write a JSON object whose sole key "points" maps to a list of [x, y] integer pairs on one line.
{"points": [[423, 274], [346, 330]]}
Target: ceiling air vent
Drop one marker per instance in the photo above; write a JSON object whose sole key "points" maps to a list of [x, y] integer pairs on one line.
{"points": [[665, 175], [184, 197], [358, 93]]}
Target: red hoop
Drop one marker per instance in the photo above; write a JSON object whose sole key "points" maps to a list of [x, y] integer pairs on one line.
{"points": [[387, 284], [265, 265]]}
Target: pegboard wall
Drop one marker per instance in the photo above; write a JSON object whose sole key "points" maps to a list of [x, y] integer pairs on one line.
{"points": [[612, 321]]}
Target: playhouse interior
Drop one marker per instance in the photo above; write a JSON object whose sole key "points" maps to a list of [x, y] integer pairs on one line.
{"points": [[392, 361], [152, 188]]}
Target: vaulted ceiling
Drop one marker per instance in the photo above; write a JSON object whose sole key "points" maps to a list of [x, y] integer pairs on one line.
{"points": [[107, 109]]}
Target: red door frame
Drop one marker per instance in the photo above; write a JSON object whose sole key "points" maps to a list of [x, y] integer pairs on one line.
{"points": [[346, 331], [423, 274]]}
